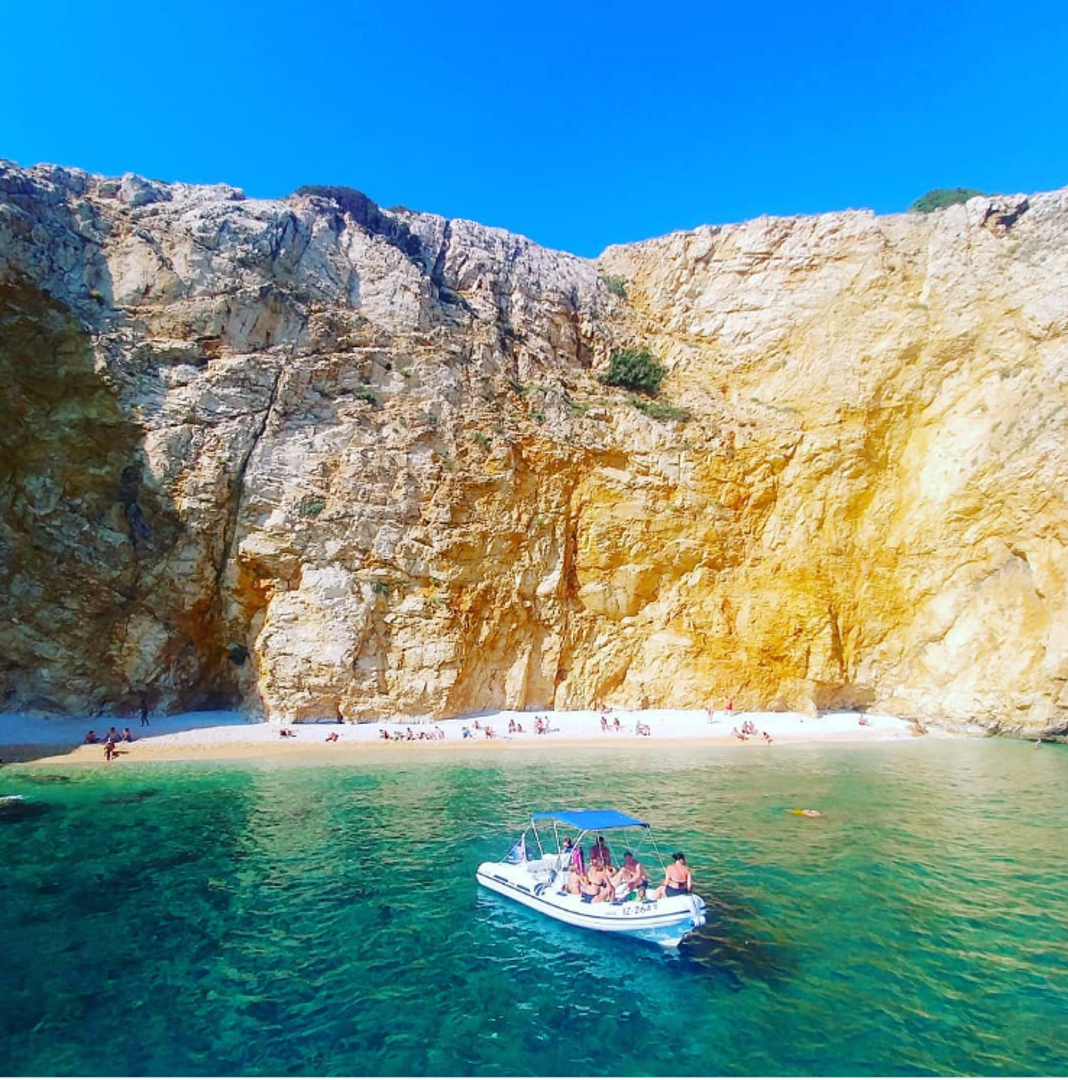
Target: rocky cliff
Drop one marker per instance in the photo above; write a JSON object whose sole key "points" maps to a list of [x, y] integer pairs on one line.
{"points": [[310, 455]]}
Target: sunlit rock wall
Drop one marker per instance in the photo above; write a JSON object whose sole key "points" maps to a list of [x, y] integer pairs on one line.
{"points": [[305, 456]]}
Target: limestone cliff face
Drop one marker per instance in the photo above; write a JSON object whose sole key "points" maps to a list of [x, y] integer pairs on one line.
{"points": [[309, 455]]}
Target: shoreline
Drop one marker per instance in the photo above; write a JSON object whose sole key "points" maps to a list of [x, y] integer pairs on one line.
{"points": [[231, 737]]}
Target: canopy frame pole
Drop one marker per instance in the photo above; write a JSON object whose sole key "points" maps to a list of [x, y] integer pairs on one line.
{"points": [[659, 857], [537, 838]]}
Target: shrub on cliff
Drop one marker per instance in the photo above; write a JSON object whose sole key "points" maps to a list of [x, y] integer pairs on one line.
{"points": [[635, 369], [615, 285], [939, 198], [364, 210]]}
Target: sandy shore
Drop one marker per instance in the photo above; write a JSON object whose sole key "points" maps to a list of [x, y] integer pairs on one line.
{"points": [[229, 736]]}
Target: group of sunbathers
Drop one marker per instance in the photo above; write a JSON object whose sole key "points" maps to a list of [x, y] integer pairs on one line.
{"points": [[603, 883], [750, 729], [410, 736], [111, 740]]}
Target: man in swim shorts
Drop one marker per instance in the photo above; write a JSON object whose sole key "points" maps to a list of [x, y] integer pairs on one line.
{"points": [[631, 877]]}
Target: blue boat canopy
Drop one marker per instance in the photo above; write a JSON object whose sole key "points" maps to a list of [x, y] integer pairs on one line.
{"points": [[592, 819]]}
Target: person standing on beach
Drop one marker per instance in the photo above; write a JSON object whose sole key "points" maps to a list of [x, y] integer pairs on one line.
{"points": [[144, 710]]}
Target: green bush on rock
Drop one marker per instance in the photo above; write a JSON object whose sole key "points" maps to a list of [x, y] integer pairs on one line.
{"points": [[939, 198], [635, 369]]}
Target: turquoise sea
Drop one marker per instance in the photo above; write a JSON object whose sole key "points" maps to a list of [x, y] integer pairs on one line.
{"points": [[269, 918]]}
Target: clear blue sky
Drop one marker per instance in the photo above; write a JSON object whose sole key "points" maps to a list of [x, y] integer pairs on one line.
{"points": [[576, 124]]}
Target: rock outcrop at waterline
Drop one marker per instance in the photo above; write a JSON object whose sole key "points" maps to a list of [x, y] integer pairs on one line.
{"points": [[308, 455]]}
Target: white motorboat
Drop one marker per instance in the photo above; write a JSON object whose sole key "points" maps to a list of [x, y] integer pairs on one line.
{"points": [[535, 874]]}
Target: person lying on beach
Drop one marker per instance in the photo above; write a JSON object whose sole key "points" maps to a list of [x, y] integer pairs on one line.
{"points": [[678, 880], [332, 737]]}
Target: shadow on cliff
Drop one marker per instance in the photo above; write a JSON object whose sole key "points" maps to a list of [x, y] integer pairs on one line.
{"points": [[95, 614]]}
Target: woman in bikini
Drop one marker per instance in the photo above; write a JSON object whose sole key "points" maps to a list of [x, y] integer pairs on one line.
{"points": [[597, 884], [678, 879]]}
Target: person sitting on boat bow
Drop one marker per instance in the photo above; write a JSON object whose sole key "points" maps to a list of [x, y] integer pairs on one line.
{"points": [[678, 879]]}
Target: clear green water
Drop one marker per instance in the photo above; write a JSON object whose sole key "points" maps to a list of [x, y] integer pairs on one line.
{"points": [[272, 919]]}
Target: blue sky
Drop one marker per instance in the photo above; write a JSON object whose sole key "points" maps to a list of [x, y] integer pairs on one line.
{"points": [[578, 125]]}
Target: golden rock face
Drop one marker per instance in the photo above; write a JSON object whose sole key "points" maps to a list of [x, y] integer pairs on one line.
{"points": [[378, 474]]}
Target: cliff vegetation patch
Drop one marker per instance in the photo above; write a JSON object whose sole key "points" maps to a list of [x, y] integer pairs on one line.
{"points": [[635, 369], [615, 285], [939, 198]]}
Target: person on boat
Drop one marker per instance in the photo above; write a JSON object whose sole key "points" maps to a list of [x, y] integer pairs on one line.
{"points": [[578, 860], [600, 851], [564, 859], [678, 879], [597, 887], [631, 877], [574, 882]]}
